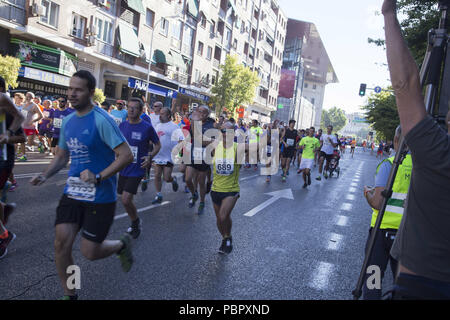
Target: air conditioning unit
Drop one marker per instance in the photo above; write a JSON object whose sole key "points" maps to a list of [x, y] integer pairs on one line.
{"points": [[103, 3], [38, 10]]}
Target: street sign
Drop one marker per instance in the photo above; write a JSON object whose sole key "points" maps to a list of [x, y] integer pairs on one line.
{"points": [[377, 89]]}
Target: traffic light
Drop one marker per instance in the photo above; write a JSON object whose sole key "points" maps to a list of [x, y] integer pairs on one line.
{"points": [[362, 89]]}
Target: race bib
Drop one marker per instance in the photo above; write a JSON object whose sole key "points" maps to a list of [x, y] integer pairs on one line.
{"points": [[134, 151], [290, 142], [224, 167], [80, 190], [198, 153], [24, 113], [269, 149], [57, 123]]}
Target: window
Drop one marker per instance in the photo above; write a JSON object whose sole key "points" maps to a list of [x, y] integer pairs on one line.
{"points": [[209, 53], [164, 27], [176, 29], [314, 87], [78, 26], [51, 13], [104, 30], [203, 21], [150, 18], [212, 27], [200, 48], [111, 7], [235, 44]]}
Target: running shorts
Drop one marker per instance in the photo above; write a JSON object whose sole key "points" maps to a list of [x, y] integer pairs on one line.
{"points": [[288, 153], [30, 132], [94, 219], [326, 156], [306, 163], [128, 184], [218, 197], [200, 167], [55, 142]]}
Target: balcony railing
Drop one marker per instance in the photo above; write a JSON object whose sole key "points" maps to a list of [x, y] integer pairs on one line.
{"points": [[125, 57], [261, 100], [104, 48], [222, 14], [175, 43], [180, 77], [13, 11], [216, 63], [266, 46]]}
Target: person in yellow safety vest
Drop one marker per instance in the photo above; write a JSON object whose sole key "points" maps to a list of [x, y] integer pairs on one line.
{"points": [[255, 132], [391, 220]]}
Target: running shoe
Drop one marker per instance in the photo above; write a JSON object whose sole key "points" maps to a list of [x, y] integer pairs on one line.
{"points": [[226, 246], [299, 171], [305, 185], [287, 172], [144, 185], [283, 178], [174, 184], [5, 242], [325, 175], [125, 255], [7, 211], [23, 159], [186, 189], [75, 297], [13, 186], [201, 208], [158, 199], [135, 229], [319, 178], [268, 179], [193, 199]]}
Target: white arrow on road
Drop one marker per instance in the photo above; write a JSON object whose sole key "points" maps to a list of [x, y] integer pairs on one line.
{"points": [[286, 193]]}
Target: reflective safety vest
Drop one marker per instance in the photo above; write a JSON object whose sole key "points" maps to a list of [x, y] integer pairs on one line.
{"points": [[394, 209]]}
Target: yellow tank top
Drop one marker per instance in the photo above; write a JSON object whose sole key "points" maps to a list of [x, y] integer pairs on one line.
{"points": [[226, 170]]}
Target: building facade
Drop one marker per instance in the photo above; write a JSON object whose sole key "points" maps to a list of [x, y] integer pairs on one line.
{"points": [[167, 50]]}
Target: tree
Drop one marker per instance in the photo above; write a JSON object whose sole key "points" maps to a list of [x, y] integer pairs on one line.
{"points": [[335, 117], [381, 112], [99, 97], [420, 17], [236, 85], [9, 70]]}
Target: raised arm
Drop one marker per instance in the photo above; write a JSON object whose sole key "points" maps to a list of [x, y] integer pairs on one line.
{"points": [[405, 76]]}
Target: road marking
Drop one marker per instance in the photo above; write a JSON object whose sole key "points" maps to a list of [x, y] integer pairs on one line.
{"points": [[335, 241], [342, 221], [350, 197], [123, 215], [354, 184], [286, 193], [251, 177], [321, 276], [346, 206], [275, 249], [352, 190]]}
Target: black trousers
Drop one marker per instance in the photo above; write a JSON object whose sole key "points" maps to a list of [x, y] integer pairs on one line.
{"points": [[380, 257]]}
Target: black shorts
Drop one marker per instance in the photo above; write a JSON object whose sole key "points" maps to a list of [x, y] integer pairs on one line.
{"points": [[4, 176], [94, 219], [45, 133], [55, 142], [168, 164], [288, 152], [218, 197], [203, 167], [128, 184], [326, 156]]}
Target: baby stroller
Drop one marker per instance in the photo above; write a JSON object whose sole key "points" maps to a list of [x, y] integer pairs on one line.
{"points": [[334, 164]]}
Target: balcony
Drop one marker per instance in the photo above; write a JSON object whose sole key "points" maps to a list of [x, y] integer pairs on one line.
{"points": [[264, 83], [219, 38], [260, 100], [104, 48], [266, 46], [216, 63], [125, 58], [187, 50], [175, 43], [222, 14], [180, 77], [13, 11]]}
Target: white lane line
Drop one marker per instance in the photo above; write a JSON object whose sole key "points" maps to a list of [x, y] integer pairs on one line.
{"points": [[335, 241], [352, 190], [346, 206], [123, 215], [350, 197], [321, 276], [251, 177], [342, 221], [354, 184]]}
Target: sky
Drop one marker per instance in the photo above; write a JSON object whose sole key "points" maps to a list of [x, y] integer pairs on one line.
{"points": [[345, 26]]}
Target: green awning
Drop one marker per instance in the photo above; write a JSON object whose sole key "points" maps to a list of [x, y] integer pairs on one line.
{"points": [[178, 61], [136, 5], [193, 8], [129, 42], [160, 57]]}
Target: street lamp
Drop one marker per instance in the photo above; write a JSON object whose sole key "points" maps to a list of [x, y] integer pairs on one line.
{"points": [[151, 48]]}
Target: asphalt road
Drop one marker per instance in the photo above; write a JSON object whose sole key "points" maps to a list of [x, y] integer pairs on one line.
{"points": [[308, 247]]}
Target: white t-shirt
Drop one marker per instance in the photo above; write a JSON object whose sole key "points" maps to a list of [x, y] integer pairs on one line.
{"points": [[327, 147], [169, 135], [155, 119]]}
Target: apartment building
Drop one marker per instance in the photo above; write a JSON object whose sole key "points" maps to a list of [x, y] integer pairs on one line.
{"points": [[185, 41], [307, 70]]}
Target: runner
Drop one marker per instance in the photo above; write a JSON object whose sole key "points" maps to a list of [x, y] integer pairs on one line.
{"points": [[120, 114], [309, 145], [353, 146], [198, 169], [288, 141], [157, 106], [139, 135], [56, 122], [255, 132], [364, 145], [45, 129], [32, 115], [380, 150], [299, 151], [225, 188], [327, 143], [170, 135], [97, 150], [105, 106], [11, 133]]}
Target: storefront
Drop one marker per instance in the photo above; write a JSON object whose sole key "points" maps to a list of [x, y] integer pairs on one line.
{"points": [[189, 98], [156, 92]]}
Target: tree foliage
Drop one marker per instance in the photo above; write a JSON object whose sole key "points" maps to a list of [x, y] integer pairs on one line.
{"points": [[9, 70], [99, 96], [381, 112], [236, 86], [335, 116], [419, 17]]}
